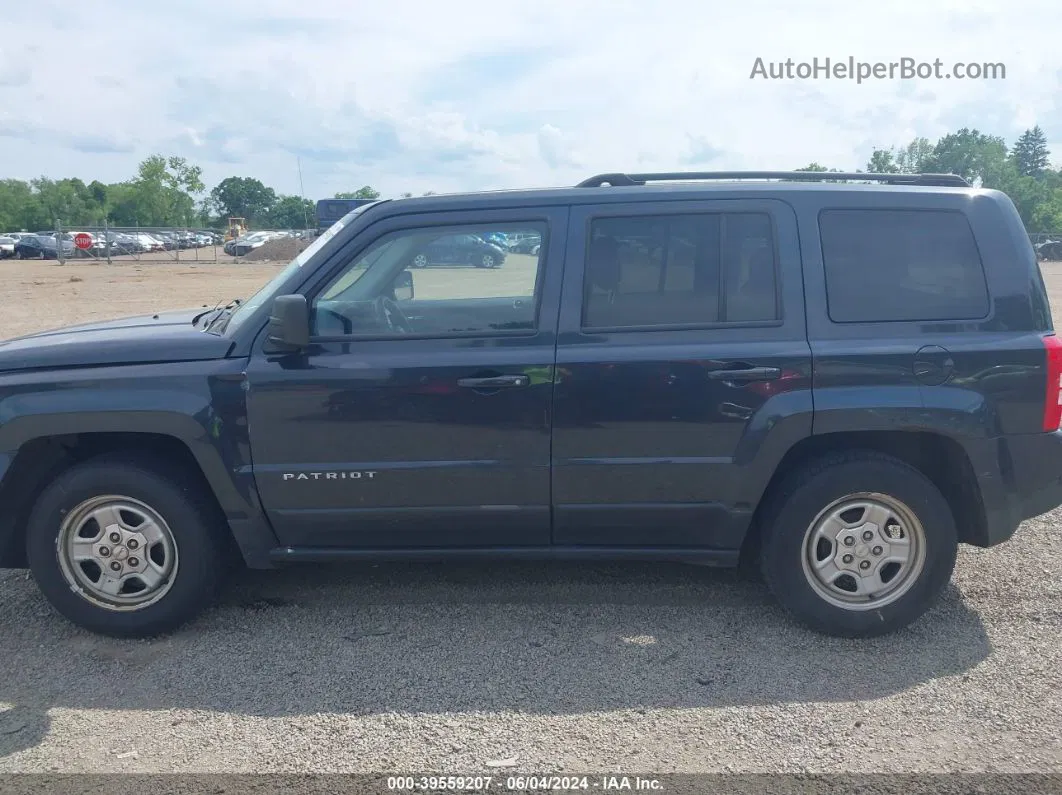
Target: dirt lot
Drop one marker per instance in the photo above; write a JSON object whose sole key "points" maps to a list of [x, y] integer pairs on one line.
{"points": [[636, 668]]}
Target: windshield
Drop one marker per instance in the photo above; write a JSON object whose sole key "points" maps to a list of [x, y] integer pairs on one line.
{"points": [[251, 305]]}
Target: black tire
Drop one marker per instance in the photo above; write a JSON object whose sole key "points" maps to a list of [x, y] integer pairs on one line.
{"points": [[202, 553], [795, 505]]}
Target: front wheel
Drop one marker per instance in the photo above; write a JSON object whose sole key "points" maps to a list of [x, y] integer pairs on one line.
{"points": [[858, 544], [487, 261], [124, 549]]}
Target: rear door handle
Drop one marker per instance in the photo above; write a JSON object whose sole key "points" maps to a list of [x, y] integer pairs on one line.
{"points": [[494, 381], [746, 374]]}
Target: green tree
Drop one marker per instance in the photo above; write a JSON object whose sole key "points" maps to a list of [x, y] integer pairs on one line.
{"points": [[20, 207], [67, 201], [291, 212], [911, 159], [1030, 154], [882, 161], [1047, 215], [817, 168], [159, 195], [99, 192], [243, 197], [977, 157], [364, 192]]}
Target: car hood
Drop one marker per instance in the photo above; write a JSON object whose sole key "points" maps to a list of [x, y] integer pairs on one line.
{"points": [[143, 339]]}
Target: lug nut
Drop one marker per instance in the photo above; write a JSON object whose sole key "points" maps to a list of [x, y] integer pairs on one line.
{"points": [[104, 551], [867, 535], [134, 562], [116, 566], [132, 543], [864, 564], [877, 550], [847, 559], [849, 541], [115, 538]]}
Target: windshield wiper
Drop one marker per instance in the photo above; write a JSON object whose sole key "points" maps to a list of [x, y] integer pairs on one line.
{"points": [[219, 312]]}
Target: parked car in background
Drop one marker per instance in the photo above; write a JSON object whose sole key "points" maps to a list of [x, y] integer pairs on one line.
{"points": [[498, 239], [462, 249], [148, 242], [187, 239], [43, 246], [1049, 250], [7, 247], [524, 243], [168, 241], [249, 242], [117, 244]]}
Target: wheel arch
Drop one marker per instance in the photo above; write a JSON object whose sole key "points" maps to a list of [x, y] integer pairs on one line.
{"points": [[39, 459], [939, 457]]}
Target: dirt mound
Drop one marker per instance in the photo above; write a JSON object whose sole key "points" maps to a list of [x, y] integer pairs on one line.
{"points": [[282, 249]]}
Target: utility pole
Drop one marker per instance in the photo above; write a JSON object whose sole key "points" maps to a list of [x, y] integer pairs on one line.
{"points": [[302, 195]]}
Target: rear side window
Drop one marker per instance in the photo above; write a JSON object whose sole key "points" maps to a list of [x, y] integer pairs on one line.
{"points": [[893, 265], [680, 270]]}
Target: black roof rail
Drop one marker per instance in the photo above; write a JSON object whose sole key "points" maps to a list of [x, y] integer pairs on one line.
{"points": [[620, 179]]}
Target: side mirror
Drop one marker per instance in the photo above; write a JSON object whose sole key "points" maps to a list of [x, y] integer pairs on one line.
{"points": [[289, 323], [403, 286]]}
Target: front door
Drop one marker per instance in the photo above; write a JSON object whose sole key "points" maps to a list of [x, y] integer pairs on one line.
{"points": [[681, 357], [420, 415]]}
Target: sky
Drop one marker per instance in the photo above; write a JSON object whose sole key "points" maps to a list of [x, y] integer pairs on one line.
{"points": [[462, 95]]}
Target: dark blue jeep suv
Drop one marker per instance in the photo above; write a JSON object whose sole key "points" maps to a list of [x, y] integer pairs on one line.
{"points": [[837, 381]]}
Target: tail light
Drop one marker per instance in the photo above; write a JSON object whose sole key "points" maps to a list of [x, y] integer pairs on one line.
{"points": [[1053, 398]]}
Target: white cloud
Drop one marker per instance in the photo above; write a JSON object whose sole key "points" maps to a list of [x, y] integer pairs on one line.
{"points": [[467, 95], [555, 148]]}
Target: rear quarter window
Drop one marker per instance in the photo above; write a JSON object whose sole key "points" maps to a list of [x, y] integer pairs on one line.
{"points": [[896, 265]]}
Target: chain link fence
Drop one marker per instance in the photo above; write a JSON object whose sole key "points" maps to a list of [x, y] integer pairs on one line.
{"points": [[163, 244], [105, 243]]}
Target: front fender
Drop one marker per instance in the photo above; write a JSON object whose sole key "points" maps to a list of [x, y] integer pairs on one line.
{"points": [[199, 404]]}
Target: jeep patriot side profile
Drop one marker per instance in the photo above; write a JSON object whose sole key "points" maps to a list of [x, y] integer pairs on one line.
{"points": [[838, 381]]}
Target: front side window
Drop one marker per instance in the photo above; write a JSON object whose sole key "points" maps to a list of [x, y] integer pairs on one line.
{"points": [[436, 281], [890, 265], [673, 270]]}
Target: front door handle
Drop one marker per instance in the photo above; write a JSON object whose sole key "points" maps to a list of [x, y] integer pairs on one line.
{"points": [[494, 381], [746, 374]]}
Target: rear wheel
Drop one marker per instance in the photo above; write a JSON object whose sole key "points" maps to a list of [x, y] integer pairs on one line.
{"points": [[858, 544], [125, 549], [420, 261]]}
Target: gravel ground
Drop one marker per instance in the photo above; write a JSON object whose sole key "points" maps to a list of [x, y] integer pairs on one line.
{"points": [[541, 667]]}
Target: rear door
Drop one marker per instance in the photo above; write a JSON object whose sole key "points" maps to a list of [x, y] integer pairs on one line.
{"points": [[681, 349]]}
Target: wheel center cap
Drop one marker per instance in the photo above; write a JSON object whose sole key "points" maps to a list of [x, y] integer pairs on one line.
{"points": [[121, 553], [862, 550]]}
